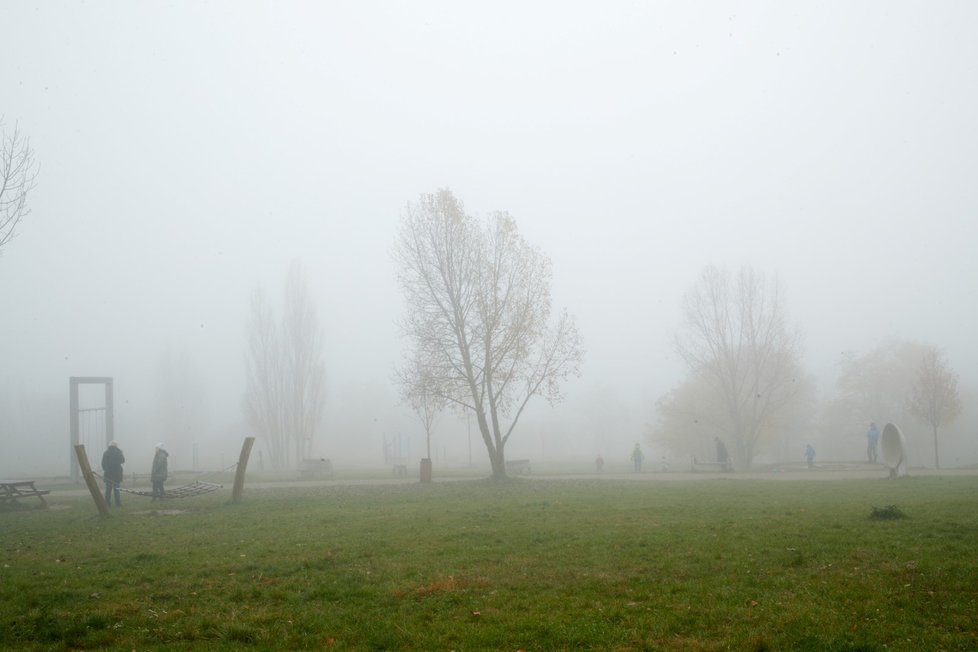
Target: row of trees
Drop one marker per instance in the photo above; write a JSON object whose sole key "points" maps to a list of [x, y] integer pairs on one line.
{"points": [[480, 336], [482, 340], [746, 383]]}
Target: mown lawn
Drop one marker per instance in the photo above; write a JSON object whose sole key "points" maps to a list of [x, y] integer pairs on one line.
{"points": [[529, 564]]}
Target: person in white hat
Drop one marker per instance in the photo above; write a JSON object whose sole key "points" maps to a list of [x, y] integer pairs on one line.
{"points": [[158, 475]]}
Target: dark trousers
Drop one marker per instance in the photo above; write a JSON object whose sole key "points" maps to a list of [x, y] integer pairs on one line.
{"points": [[112, 487], [157, 489]]}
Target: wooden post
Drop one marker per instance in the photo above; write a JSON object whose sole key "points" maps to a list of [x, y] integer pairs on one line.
{"points": [[73, 421], [239, 475], [86, 469]]}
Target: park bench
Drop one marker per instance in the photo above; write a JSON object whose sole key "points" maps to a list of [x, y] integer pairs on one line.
{"points": [[400, 470], [518, 467], [11, 492], [724, 467], [316, 468]]}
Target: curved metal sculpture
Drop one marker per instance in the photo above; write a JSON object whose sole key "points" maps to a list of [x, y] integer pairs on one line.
{"points": [[893, 447]]}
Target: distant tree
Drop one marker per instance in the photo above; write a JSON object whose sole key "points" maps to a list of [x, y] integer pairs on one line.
{"points": [[418, 391], [478, 311], [18, 176], [265, 382], [934, 398], [181, 398], [285, 390], [876, 386], [746, 377], [305, 372]]}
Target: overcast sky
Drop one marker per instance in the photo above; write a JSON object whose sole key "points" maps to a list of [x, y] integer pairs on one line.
{"points": [[189, 151]]}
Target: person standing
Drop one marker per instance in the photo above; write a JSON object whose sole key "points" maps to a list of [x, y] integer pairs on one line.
{"points": [[637, 457], [158, 474], [872, 441], [112, 461], [723, 457], [810, 455]]}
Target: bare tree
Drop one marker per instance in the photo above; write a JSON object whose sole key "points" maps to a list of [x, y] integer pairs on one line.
{"points": [[934, 399], [739, 349], [478, 298], [265, 384], [285, 391], [18, 176], [417, 390], [305, 372]]}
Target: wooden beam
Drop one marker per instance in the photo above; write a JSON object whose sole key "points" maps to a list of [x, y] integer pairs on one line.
{"points": [[86, 469], [239, 476]]}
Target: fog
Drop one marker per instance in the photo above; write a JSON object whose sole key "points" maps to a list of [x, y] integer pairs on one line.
{"points": [[190, 151]]}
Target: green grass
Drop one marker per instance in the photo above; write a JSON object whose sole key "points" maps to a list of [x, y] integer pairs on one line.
{"points": [[535, 565]]}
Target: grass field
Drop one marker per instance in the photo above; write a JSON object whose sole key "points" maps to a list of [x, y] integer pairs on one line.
{"points": [[528, 564]]}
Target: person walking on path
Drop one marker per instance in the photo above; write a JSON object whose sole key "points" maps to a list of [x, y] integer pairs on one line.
{"points": [[810, 456], [637, 457], [872, 441], [112, 461], [158, 474]]}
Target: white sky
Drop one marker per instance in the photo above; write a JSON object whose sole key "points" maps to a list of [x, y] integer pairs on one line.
{"points": [[189, 151]]}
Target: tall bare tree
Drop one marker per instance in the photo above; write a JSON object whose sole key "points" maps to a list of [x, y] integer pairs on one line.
{"points": [[265, 384], [18, 176], [934, 399], [478, 316], [305, 372], [285, 391], [742, 355]]}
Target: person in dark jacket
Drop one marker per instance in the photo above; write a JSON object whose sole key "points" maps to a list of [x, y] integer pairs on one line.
{"points": [[723, 457], [112, 461], [158, 474]]}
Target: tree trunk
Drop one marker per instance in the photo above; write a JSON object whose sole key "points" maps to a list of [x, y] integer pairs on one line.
{"points": [[498, 464]]}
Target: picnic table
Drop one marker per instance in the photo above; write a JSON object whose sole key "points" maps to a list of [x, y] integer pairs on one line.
{"points": [[10, 492]]}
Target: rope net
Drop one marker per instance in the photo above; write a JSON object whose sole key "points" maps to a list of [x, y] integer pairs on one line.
{"points": [[195, 488]]}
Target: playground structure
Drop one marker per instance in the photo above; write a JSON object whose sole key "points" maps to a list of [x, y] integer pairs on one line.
{"points": [[195, 488], [101, 420], [97, 419], [893, 448]]}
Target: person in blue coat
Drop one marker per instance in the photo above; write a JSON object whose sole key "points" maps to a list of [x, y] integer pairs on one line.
{"points": [[810, 456], [872, 441]]}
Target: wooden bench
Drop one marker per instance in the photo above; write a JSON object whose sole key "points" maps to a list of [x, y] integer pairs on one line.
{"points": [[11, 492], [723, 467], [316, 468], [400, 470], [518, 467]]}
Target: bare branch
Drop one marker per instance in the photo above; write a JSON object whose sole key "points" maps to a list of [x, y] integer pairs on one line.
{"points": [[18, 176]]}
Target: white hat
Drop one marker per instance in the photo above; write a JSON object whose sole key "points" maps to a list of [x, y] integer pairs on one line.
{"points": [[160, 446]]}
